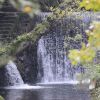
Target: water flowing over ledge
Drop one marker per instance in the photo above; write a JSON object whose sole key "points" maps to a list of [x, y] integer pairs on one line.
{"points": [[53, 63]]}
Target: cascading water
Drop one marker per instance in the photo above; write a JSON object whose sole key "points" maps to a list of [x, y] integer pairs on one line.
{"points": [[12, 75], [53, 63]]}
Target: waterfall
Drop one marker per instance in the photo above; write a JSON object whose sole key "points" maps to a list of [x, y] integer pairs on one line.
{"points": [[12, 74], [53, 63]]}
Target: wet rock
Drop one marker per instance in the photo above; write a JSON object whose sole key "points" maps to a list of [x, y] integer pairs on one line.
{"points": [[27, 62]]}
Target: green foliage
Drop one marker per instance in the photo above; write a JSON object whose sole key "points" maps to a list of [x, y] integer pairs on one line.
{"points": [[69, 41], [64, 8], [9, 50], [81, 56], [95, 94], [57, 13], [94, 36], [46, 4], [67, 5], [88, 52], [70, 5], [91, 4], [93, 70], [32, 36], [1, 98]]}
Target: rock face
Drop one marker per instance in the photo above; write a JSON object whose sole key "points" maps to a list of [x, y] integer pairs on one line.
{"points": [[27, 62], [10, 76]]}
